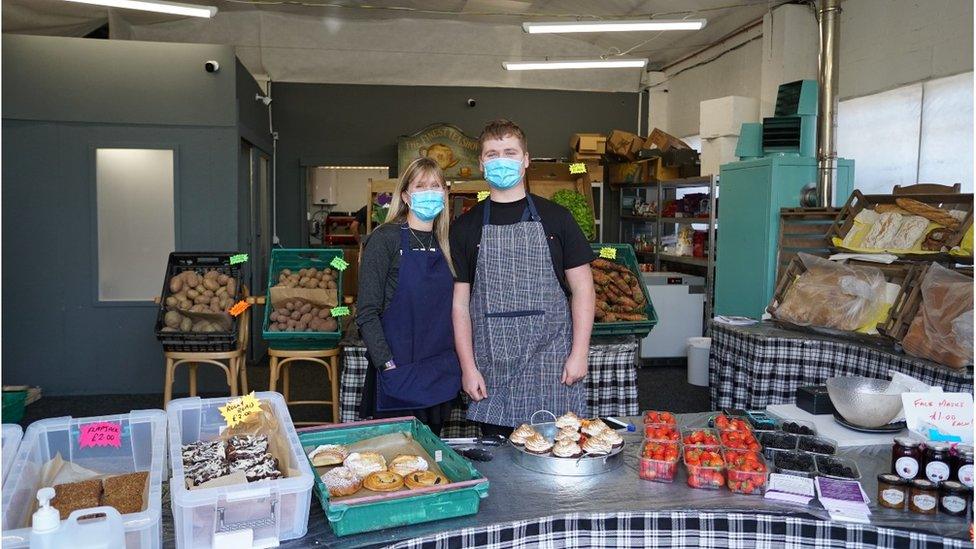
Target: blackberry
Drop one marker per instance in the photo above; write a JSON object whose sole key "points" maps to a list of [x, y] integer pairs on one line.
{"points": [[794, 461], [817, 446], [779, 441], [835, 468], [797, 429]]}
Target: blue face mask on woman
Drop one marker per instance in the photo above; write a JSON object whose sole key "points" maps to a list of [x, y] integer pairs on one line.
{"points": [[427, 204], [503, 173]]}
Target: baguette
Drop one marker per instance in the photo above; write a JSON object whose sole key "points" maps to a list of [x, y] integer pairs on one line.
{"points": [[938, 215]]}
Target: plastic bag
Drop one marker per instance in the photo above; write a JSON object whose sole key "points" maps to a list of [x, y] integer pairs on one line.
{"points": [[942, 330], [832, 295]]}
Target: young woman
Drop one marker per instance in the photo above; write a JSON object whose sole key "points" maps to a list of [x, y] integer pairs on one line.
{"points": [[404, 304]]}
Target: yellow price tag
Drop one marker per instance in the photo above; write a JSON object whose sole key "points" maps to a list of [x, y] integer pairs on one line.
{"points": [[240, 409], [483, 195], [607, 252], [577, 167]]}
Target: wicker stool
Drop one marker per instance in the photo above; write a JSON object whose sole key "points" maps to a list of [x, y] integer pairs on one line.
{"points": [[281, 359], [235, 366]]}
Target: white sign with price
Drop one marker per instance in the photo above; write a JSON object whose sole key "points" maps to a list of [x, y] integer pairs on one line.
{"points": [[940, 416]]}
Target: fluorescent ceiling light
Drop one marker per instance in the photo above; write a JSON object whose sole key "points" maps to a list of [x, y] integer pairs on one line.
{"points": [[618, 63], [159, 6], [615, 26]]}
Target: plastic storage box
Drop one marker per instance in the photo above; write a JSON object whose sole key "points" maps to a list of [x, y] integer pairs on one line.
{"points": [[143, 448], [711, 476], [743, 478], [462, 497], [659, 470], [274, 510], [12, 433], [295, 259]]}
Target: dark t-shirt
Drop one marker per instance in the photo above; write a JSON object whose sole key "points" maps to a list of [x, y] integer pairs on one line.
{"points": [[567, 245]]}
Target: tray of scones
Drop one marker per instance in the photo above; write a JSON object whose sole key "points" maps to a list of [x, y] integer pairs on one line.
{"points": [[568, 445]]}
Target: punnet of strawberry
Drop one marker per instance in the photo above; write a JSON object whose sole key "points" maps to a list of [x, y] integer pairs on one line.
{"points": [[654, 416], [661, 431], [740, 440], [705, 468], [723, 422], [659, 461], [746, 472], [700, 437]]}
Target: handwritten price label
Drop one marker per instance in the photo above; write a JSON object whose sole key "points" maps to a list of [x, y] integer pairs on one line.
{"points": [[239, 308], [483, 195], [339, 264], [940, 416], [339, 311], [240, 409], [577, 167], [101, 433], [607, 252], [238, 258]]}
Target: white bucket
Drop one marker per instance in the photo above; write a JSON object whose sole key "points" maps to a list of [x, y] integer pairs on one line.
{"points": [[698, 360]]}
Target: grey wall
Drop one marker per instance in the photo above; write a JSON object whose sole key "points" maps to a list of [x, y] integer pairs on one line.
{"points": [[353, 124], [63, 98]]}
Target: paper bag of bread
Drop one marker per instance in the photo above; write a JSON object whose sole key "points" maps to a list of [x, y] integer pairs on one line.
{"points": [[942, 330], [832, 295]]}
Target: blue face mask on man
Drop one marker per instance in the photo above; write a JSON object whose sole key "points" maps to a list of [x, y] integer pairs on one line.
{"points": [[427, 204], [503, 173]]}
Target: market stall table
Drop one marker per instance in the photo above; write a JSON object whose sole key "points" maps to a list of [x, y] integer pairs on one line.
{"points": [[619, 505], [751, 367], [611, 384]]}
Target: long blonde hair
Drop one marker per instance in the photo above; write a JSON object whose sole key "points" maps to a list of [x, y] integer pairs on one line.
{"points": [[398, 207]]}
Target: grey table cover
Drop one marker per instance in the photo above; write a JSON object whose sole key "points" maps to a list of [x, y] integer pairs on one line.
{"points": [[516, 494]]}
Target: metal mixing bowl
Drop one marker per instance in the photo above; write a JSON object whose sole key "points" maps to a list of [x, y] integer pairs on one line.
{"points": [[865, 401]]}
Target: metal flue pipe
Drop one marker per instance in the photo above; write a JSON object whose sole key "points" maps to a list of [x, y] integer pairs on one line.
{"points": [[827, 119]]}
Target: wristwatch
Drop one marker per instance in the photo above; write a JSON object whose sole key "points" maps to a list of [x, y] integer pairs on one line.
{"points": [[389, 365]]}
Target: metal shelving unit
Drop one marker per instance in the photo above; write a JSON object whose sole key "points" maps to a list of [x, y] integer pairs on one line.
{"points": [[659, 190]]}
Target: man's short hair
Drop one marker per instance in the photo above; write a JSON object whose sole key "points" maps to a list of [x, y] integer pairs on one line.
{"points": [[500, 129]]}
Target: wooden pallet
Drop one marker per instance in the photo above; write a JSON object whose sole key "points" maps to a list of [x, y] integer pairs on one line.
{"points": [[803, 230]]}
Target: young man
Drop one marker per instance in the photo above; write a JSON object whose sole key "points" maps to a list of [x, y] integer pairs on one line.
{"points": [[523, 295]]}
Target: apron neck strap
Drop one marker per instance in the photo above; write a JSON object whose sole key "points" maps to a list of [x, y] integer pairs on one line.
{"points": [[530, 211]]}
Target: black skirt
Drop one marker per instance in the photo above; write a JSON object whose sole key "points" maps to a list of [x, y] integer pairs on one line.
{"points": [[433, 416]]}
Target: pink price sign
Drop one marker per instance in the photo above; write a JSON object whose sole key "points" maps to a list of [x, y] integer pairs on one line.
{"points": [[102, 433]]}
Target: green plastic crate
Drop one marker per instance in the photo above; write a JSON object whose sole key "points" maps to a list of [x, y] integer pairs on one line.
{"points": [[14, 403], [294, 259], [460, 498], [627, 257]]}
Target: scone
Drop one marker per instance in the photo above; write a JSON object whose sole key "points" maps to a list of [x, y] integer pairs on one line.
{"points": [[405, 464], [328, 454], [364, 463], [341, 481]]}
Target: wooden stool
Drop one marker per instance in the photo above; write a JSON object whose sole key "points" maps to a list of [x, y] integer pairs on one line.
{"points": [[236, 362], [281, 359]]}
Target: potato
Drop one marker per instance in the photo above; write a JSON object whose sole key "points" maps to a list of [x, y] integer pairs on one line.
{"points": [[330, 325], [175, 284], [186, 324], [282, 311], [211, 283], [192, 294], [304, 280], [168, 329], [185, 304], [172, 301], [172, 319], [295, 315], [302, 327], [198, 327], [305, 318], [201, 300], [286, 272], [222, 279], [231, 287], [199, 308], [273, 316], [290, 305], [332, 285], [305, 308], [324, 313], [191, 279], [221, 291]]}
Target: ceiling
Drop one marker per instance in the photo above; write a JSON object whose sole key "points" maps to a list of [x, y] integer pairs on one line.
{"points": [[57, 17]]}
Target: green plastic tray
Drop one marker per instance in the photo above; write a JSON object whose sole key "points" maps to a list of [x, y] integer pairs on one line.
{"points": [[626, 257], [294, 259], [14, 403], [460, 498]]}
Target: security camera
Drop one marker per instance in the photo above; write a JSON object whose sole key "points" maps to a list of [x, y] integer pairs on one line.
{"points": [[266, 99], [472, 102], [211, 66]]}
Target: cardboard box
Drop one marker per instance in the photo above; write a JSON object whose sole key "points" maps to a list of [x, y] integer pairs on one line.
{"points": [[584, 157], [624, 144], [666, 141], [595, 171], [724, 116], [640, 172], [589, 143], [717, 151]]}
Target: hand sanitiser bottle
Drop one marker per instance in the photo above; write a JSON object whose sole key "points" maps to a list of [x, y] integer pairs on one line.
{"points": [[100, 529]]}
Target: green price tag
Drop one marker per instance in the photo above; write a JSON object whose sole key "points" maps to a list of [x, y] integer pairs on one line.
{"points": [[339, 264], [577, 167], [238, 258], [608, 253], [339, 311], [483, 195]]}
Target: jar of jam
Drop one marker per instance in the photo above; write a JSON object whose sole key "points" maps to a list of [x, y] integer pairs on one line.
{"points": [[892, 491], [923, 497], [953, 498], [937, 467], [906, 458], [962, 469]]}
